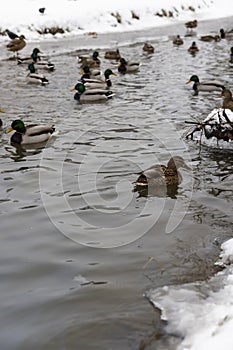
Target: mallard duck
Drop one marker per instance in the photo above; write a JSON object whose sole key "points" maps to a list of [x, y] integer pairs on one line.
{"points": [[34, 133], [128, 66], [177, 41], [231, 55], [37, 60], [34, 77], [206, 86], [160, 174], [191, 24], [1, 123], [98, 83], [193, 49], [148, 47], [92, 95], [112, 55], [92, 61], [209, 38], [226, 34], [16, 44], [227, 99]]}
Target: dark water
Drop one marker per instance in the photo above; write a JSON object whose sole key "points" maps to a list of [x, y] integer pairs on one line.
{"points": [[78, 246]]}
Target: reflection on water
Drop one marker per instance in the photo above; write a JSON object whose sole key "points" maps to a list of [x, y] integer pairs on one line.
{"points": [[80, 186]]}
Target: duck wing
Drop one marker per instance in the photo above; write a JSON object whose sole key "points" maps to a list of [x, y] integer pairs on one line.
{"points": [[152, 174], [39, 129]]}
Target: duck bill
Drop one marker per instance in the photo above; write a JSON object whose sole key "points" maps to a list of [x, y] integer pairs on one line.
{"points": [[188, 81], [72, 89], [2, 111], [9, 130], [218, 96], [114, 74]]}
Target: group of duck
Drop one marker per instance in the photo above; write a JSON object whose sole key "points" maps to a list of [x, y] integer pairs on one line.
{"points": [[95, 85]]}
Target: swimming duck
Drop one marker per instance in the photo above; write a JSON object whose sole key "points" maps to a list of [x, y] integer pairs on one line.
{"points": [[206, 86], [177, 41], [34, 133], [209, 38], [193, 49], [16, 44], [91, 95], [112, 55], [231, 55], [34, 77], [226, 34], [98, 83], [92, 61], [227, 99], [36, 59], [1, 123], [148, 47], [160, 174], [128, 66]]}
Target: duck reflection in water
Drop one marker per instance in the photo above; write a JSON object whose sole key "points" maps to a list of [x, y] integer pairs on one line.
{"points": [[161, 180]]}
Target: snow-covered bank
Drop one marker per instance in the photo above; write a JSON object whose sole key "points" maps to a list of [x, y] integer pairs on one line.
{"points": [[201, 313], [78, 16]]}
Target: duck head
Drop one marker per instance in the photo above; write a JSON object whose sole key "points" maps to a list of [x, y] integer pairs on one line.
{"points": [[34, 54], [109, 72], [177, 162], [79, 87], [193, 78], [17, 125]]}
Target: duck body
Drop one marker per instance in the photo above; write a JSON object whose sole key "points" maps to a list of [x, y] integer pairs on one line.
{"points": [[159, 174], [209, 38], [148, 47], [205, 86], [34, 133], [112, 55], [90, 61], [128, 66], [177, 41], [193, 49], [36, 78], [16, 44], [98, 83], [91, 95]]}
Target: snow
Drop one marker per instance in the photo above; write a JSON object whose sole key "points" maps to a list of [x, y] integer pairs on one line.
{"points": [[201, 312], [78, 16]]}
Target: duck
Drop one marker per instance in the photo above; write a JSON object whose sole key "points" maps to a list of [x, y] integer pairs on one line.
{"points": [[16, 44], [128, 66], [206, 86], [160, 174], [91, 61], [36, 59], [177, 41], [227, 99], [91, 95], [32, 133], [1, 123], [112, 54], [191, 24], [209, 38], [231, 55], [98, 83], [34, 77], [148, 47], [193, 49], [226, 34]]}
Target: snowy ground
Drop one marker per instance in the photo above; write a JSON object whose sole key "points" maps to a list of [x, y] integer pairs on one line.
{"points": [[79, 16]]}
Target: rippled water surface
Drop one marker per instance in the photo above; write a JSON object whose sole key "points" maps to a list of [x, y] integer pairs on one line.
{"points": [[78, 246]]}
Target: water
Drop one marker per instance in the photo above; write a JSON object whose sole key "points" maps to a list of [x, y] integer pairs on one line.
{"points": [[78, 246]]}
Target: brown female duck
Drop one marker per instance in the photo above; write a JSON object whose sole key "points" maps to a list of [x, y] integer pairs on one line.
{"points": [[227, 99], [16, 44], [160, 174]]}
